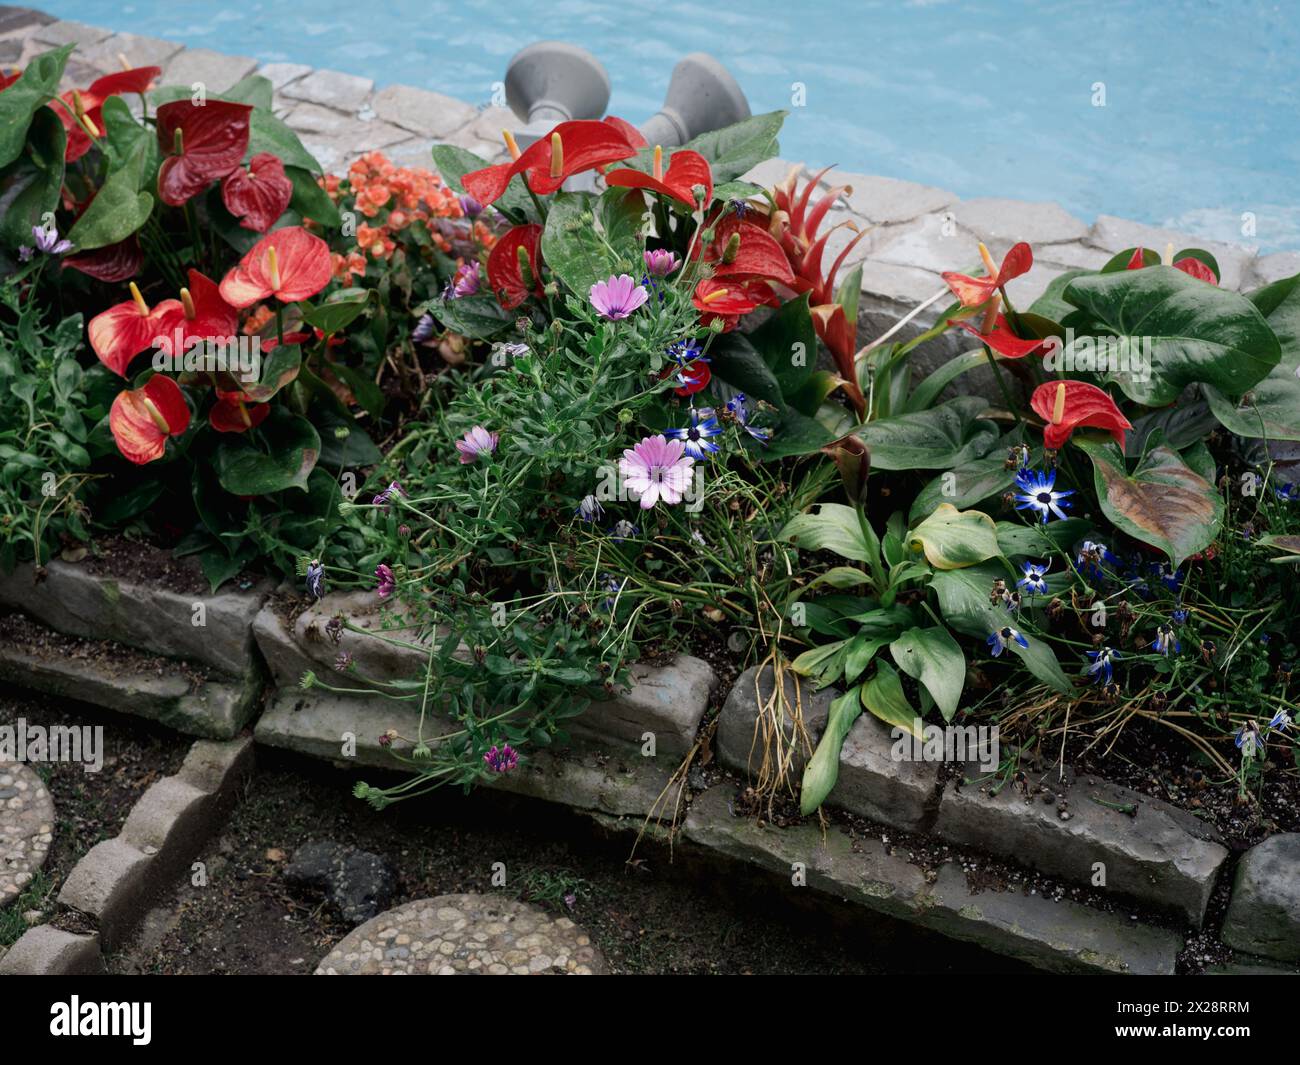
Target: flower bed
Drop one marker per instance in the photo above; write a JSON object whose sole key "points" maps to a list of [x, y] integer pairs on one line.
{"points": [[510, 429]]}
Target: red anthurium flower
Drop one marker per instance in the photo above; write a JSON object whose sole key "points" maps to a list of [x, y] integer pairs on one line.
{"points": [[120, 333], [731, 300], [234, 412], [143, 418], [505, 265], [745, 251], [994, 330], [1066, 405], [694, 377], [289, 264], [206, 143], [202, 311], [84, 105], [630, 133], [570, 148], [1192, 267], [111, 263], [972, 291], [8, 79], [686, 169], [259, 195]]}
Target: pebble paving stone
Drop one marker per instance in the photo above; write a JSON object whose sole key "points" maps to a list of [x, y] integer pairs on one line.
{"points": [[465, 935], [26, 828]]}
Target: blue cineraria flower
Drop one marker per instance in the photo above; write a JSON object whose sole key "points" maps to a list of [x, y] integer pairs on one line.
{"points": [[1287, 493], [1247, 737], [699, 434], [316, 579], [589, 509], [1179, 616], [738, 408], [423, 330], [654, 285], [1091, 555], [739, 207], [1003, 638], [1038, 493], [1035, 579], [1169, 577], [1166, 641], [623, 530], [1281, 721], [686, 351], [1102, 669], [612, 585]]}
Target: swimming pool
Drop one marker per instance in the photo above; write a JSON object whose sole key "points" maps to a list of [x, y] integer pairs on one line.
{"points": [[1198, 125]]}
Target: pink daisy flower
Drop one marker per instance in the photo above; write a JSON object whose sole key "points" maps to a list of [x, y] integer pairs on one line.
{"points": [[618, 297], [656, 469], [476, 443]]}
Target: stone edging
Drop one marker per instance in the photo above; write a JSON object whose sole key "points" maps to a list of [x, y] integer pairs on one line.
{"points": [[115, 880]]}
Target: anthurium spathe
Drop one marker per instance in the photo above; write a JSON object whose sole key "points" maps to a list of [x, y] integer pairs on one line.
{"points": [[120, 333], [259, 195], [80, 109], [201, 312], [235, 412], [201, 144], [731, 300], [143, 418], [570, 148], [744, 251], [993, 329], [289, 264], [686, 170], [514, 265], [1068, 405], [1188, 265], [974, 291]]}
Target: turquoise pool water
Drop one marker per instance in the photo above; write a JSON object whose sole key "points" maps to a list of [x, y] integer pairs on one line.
{"points": [[1198, 129]]}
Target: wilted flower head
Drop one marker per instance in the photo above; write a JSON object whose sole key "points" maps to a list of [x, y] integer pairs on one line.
{"points": [[465, 283], [316, 579], [660, 262], [738, 409], [424, 328], [383, 498], [501, 759], [617, 297], [589, 509], [387, 583], [476, 443], [470, 206], [623, 530]]}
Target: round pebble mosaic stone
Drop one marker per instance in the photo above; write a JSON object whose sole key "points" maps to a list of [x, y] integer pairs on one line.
{"points": [[465, 935], [26, 828]]}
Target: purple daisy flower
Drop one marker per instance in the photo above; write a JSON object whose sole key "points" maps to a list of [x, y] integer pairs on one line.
{"points": [[475, 444], [617, 297]]}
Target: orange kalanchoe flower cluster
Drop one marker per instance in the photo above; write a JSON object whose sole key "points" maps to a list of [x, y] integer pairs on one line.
{"points": [[393, 197]]}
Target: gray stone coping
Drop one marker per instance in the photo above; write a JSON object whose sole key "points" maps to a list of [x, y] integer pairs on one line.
{"points": [[26, 828], [465, 935], [1160, 855], [212, 629]]}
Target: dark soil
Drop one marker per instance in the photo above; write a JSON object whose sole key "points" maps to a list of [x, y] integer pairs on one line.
{"points": [[138, 561], [652, 914]]}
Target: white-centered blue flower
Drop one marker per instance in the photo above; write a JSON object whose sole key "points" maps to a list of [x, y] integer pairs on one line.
{"points": [[1003, 638], [1166, 641], [1102, 669], [699, 435], [1035, 579], [1038, 492]]}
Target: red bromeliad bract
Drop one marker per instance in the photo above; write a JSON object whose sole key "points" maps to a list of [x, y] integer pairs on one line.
{"points": [[201, 144], [506, 272], [686, 169], [974, 291], [143, 418], [289, 264], [570, 148], [120, 333], [1067, 405], [259, 195]]}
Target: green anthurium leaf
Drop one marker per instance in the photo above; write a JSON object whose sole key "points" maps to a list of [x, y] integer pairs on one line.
{"points": [[338, 311], [883, 695], [945, 436], [283, 457], [1193, 332], [255, 90], [841, 577], [30, 185], [1289, 546], [837, 528], [310, 200], [579, 249], [1279, 303], [343, 443], [479, 317], [735, 190], [794, 434], [970, 483], [266, 133], [953, 538], [1163, 503], [1120, 260], [453, 163], [1040, 539], [736, 149], [924, 394], [964, 605], [279, 369], [119, 210], [35, 87], [788, 344], [734, 361], [1179, 426], [128, 144], [1052, 303], [823, 768], [934, 658]]}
